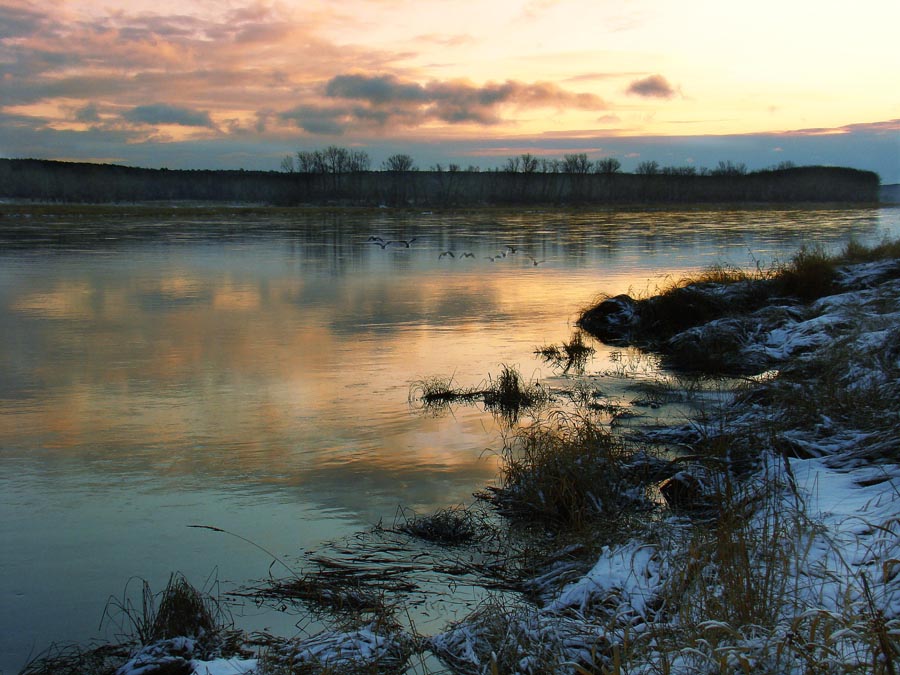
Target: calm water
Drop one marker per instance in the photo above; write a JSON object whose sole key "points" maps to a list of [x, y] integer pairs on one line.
{"points": [[251, 370]]}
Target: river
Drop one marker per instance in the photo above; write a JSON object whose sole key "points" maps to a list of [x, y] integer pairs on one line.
{"points": [[250, 369]]}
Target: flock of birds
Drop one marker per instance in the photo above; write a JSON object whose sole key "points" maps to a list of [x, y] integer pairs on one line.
{"points": [[404, 243]]}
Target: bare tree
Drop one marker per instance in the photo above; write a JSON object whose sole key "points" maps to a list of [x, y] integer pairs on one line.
{"points": [[287, 164], [398, 162], [678, 171], [576, 163], [728, 168], [607, 165], [337, 159], [649, 168], [359, 161], [310, 161], [528, 163], [550, 166]]}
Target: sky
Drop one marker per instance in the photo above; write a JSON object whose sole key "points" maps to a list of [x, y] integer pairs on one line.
{"points": [[242, 83]]}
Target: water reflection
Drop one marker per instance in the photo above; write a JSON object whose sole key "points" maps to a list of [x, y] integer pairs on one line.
{"points": [[253, 368]]}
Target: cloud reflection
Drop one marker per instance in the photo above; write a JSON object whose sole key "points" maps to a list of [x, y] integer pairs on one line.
{"points": [[288, 364]]}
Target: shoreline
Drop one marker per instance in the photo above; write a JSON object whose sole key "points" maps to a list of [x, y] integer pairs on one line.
{"points": [[797, 534]]}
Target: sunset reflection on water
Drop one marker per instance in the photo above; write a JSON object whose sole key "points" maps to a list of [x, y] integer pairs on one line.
{"points": [[263, 381]]}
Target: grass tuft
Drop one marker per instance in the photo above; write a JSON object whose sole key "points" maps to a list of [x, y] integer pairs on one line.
{"points": [[572, 355], [507, 396], [450, 526], [180, 610], [565, 473], [77, 660]]}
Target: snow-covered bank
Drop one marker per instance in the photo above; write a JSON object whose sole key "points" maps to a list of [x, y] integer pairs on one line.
{"points": [[797, 570]]}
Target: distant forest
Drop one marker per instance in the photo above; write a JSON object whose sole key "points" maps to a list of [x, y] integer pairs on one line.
{"points": [[403, 185]]}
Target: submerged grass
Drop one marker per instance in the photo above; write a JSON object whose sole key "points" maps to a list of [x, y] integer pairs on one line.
{"points": [[572, 355], [451, 526], [507, 396]]}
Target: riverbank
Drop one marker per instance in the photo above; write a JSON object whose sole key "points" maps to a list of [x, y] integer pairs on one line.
{"points": [[777, 551], [78, 182]]}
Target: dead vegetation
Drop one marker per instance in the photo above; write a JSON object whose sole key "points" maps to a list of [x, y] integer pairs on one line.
{"points": [[507, 395], [451, 526], [568, 356], [167, 629], [566, 473]]}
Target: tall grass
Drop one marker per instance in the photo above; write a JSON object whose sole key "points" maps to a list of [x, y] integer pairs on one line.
{"points": [[179, 610], [564, 473]]}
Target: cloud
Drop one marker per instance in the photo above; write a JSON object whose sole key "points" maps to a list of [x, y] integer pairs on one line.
{"points": [[88, 113], [318, 120], [378, 89], [655, 86], [383, 100], [159, 113], [18, 22], [877, 128]]}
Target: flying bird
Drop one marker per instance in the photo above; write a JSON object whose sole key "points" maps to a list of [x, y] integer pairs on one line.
{"points": [[535, 261], [450, 253], [467, 254], [403, 242], [511, 249]]}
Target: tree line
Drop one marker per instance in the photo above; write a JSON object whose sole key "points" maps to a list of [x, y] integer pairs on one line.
{"points": [[337, 160], [340, 176]]}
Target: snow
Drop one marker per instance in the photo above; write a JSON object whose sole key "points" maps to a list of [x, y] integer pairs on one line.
{"points": [[180, 651], [631, 574], [225, 667]]}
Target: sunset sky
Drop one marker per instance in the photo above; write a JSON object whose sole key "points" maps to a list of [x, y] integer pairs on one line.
{"points": [[240, 84]]}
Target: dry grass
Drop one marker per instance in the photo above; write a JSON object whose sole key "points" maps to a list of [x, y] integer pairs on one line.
{"points": [[450, 526], [375, 648], [77, 660], [507, 396], [180, 610], [501, 639], [569, 356], [565, 473]]}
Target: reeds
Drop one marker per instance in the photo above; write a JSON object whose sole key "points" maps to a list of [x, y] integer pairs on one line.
{"points": [[507, 396], [565, 473], [77, 660], [179, 610], [568, 356]]}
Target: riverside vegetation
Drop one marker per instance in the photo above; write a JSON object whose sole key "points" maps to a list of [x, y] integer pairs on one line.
{"points": [[573, 181], [759, 536]]}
